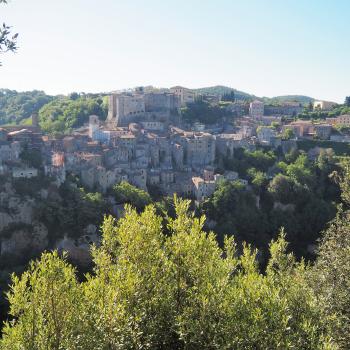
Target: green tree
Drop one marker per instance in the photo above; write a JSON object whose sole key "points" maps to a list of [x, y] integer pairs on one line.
{"points": [[301, 171], [17, 107], [45, 307], [184, 292], [275, 125], [258, 180], [347, 101], [63, 114], [156, 291], [288, 134], [282, 188], [8, 42], [203, 112], [127, 193], [331, 277], [229, 96]]}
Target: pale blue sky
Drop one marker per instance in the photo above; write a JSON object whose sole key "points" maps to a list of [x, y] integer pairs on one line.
{"points": [[265, 47]]}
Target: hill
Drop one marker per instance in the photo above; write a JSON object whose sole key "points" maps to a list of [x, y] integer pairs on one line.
{"points": [[289, 98], [16, 107], [56, 113], [220, 90]]}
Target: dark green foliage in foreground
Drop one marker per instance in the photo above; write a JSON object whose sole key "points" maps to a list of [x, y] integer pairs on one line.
{"points": [[330, 276], [151, 291]]}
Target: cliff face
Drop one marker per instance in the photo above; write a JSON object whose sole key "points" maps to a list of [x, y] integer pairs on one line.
{"points": [[23, 236], [32, 238]]}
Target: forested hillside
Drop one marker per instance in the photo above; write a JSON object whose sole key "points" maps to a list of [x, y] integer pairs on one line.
{"points": [[57, 114], [221, 90], [63, 114], [16, 107], [289, 98]]}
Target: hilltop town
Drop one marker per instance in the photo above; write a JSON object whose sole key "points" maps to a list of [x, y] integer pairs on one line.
{"points": [[145, 141]]}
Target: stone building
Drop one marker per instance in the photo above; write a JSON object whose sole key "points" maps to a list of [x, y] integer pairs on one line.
{"points": [[285, 109], [139, 106], [324, 105], [256, 109], [301, 128], [202, 189], [178, 155], [227, 143], [26, 173], [161, 102], [340, 120], [124, 109], [185, 95], [199, 148], [323, 131], [10, 151], [265, 135]]}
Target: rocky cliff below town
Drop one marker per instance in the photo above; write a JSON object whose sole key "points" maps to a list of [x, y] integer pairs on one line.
{"points": [[30, 223]]}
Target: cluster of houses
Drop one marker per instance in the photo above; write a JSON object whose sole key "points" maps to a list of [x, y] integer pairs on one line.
{"points": [[144, 142], [271, 122]]}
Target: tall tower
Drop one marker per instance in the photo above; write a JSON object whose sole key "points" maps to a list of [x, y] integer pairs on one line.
{"points": [[94, 124], [35, 121], [112, 108]]}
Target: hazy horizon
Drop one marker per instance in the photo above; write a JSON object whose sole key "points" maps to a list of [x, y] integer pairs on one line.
{"points": [[265, 49]]}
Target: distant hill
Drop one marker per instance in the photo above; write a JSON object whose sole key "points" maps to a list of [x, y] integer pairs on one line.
{"points": [[289, 98], [220, 90]]}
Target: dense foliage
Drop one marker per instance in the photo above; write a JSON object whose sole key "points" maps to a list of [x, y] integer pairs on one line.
{"points": [[203, 112], [63, 114], [16, 107], [288, 191], [152, 291], [57, 114], [127, 193], [336, 111], [70, 210], [330, 277]]}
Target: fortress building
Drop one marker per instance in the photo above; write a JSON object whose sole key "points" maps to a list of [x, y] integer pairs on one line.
{"points": [[126, 108]]}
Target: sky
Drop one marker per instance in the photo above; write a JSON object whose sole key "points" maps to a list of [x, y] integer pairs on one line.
{"points": [[263, 47]]}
